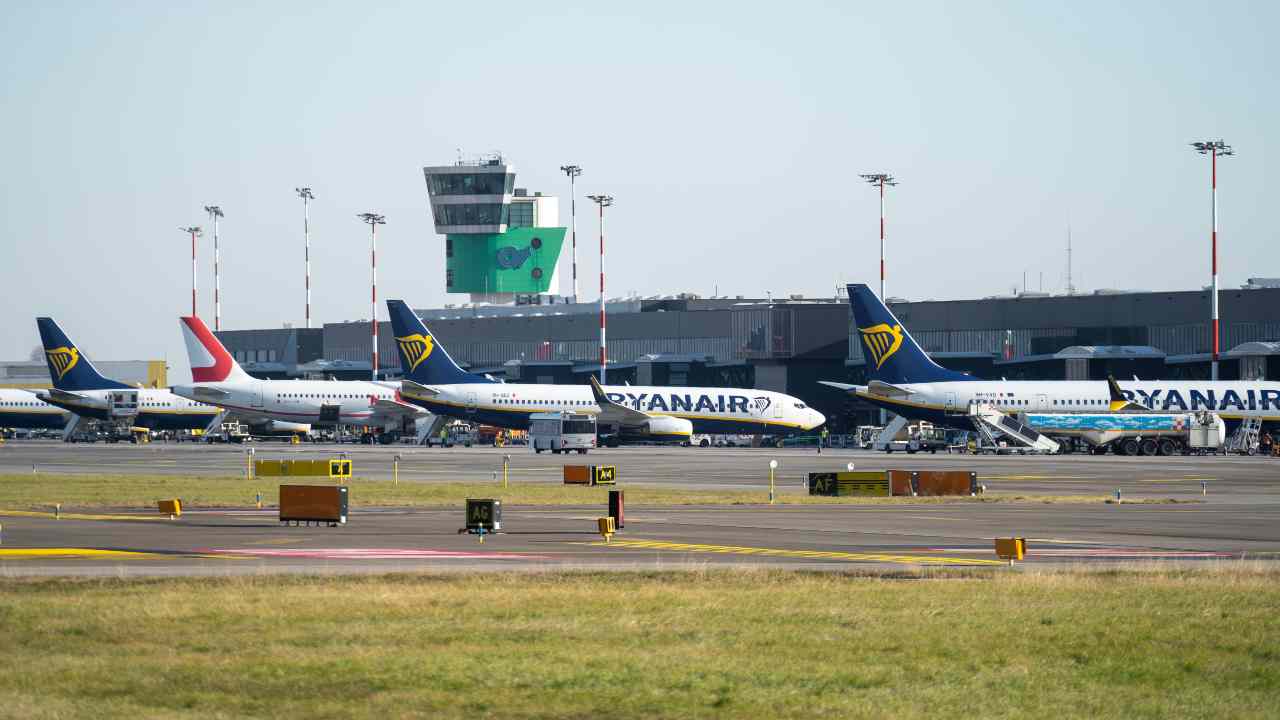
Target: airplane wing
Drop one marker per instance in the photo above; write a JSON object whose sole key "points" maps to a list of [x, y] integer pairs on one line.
{"points": [[884, 388], [875, 387], [409, 388], [613, 413], [68, 400], [396, 408], [209, 393]]}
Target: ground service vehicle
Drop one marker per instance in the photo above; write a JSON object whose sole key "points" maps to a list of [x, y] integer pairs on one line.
{"points": [[562, 432], [1134, 433]]}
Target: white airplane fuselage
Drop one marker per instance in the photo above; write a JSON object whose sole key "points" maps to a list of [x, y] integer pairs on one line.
{"points": [[710, 410], [21, 409], [946, 402], [342, 402]]}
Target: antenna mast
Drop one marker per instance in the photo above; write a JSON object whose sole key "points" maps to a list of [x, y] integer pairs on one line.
{"points": [[1071, 289]]}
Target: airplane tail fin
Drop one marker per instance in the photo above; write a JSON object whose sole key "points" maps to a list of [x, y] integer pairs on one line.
{"points": [[892, 355], [423, 359], [210, 361], [69, 369]]}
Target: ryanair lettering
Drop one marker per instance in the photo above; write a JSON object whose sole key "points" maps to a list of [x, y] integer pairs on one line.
{"points": [[63, 359], [685, 402], [882, 341], [1161, 399], [416, 348]]}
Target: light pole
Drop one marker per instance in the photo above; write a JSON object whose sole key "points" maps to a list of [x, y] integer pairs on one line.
{"points": [[194, 231], [1214, 148], [880, 180], [307, 197], [573, 171], [374, 221], [603, 201], [215, 212]]}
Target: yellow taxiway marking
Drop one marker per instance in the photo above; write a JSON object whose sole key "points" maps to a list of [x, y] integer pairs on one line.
{"points": [[33, 553], [802, 554], [81, 516], [1187, 479]]}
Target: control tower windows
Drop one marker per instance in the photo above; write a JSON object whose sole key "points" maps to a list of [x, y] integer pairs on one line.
{"points": [[480, 214], [521, 215], [472, 184]]}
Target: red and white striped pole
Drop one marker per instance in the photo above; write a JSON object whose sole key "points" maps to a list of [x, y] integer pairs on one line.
{"points": [[215, 212], [307, 197], [374, 221], [603, 201], [880, 180], [1214, 148], [1214, 192], [194, 231], [881, 238]]}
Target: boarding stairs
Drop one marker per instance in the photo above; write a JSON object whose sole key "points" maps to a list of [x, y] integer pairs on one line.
{"points": [[1246, 437], [884, 440], [992, 424]]}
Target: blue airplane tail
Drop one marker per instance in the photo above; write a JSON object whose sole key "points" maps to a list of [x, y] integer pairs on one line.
{"points": [[423, 359], [69, 369], [891, 353]]}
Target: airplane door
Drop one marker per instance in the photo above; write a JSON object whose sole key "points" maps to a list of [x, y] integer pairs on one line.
{"points": [[1042, 403], [777, 409], [471, 402], [255, 395], [951, 402]]}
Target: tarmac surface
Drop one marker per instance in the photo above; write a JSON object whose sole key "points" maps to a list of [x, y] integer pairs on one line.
{"points": [[1226, 508]]}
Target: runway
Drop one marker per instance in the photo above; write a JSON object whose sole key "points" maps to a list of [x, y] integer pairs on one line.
{"points": [[1238, 516]]}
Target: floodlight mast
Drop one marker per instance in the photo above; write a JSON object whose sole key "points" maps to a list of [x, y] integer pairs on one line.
{"points": [[880, 180], [215, 212], [573, 171], [307, 197], [1214, 148], [374, 221], [194, 231], [603, 201]]}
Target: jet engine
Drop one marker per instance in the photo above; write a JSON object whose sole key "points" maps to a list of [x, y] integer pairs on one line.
{"points": [[280, 427], [667, 428]]}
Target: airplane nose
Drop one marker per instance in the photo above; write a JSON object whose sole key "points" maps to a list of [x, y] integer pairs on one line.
{"points": [[817, 419]]}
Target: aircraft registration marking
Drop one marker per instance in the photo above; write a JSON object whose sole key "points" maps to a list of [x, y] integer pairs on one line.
{"points": [[797, 554]]}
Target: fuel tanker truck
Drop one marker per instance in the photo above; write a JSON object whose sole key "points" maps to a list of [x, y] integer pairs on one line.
{"points": [[1136, 433]]}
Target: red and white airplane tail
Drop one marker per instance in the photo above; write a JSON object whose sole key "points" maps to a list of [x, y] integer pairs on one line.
{"points": [[210, 361]]}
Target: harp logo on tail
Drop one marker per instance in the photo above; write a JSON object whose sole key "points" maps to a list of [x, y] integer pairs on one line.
{"points": [[883, 341], [63, 359], [416, 348]]}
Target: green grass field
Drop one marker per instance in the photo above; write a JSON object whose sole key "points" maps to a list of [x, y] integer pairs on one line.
{"points": [[41, 491], [1121, 644]]}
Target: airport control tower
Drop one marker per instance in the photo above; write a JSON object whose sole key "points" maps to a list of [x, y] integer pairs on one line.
{"points": [[500, 240]]}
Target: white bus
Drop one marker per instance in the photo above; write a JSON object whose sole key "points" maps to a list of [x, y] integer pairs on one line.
{"points": [[562, 432]]}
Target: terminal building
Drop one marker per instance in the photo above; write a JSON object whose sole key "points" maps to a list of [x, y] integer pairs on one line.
{"points": [[34, 374], [789, 345]]}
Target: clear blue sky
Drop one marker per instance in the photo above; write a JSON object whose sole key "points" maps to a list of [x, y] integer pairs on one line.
{"points": [[730, 134]]}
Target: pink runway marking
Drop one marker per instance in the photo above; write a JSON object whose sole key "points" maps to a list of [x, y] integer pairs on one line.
{"points": [[372, 554]]}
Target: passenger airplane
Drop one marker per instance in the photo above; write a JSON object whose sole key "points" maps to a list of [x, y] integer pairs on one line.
{"points": [[905, 381], [434, 381], [79, 388], [219, 380], [22, 410]]}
